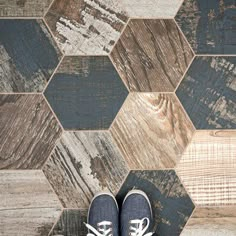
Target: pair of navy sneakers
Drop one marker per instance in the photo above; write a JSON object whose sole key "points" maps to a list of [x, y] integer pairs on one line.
{"points": [[134, 218]]}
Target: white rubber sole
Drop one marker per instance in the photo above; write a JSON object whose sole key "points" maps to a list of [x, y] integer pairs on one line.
{"points": [[136, 191]]}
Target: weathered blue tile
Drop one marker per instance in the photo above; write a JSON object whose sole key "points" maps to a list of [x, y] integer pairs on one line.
{"points": [[209, 25], [28, 55], [86, 92], [208, 92], [170, 202]]}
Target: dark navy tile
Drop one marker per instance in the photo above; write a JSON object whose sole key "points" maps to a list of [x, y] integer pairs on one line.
{"points": [[71, 223], [208, 92], [170, 202], [28, 55], [209, 25], [86, 92]]}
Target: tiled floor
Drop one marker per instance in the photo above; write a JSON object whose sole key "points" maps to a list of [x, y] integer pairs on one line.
{"points": [[115, 95]]}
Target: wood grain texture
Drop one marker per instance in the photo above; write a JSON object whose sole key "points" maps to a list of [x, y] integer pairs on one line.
{"points": [[28, 131], [208, 92], [82, 164], [28, 206], [27, 63], [209, 25], [71, 223], [151, 8], [207, 168], [151, 55], [23, 8], [86, 93], [152, 130], [219, 221], [86, 27], [170, 202]]}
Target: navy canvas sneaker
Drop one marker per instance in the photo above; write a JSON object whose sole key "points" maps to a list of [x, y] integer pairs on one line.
{"points": [[103, 216], [136, 214]]}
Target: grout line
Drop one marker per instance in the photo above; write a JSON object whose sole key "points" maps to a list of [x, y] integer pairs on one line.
{"points": [[55, 223], [54, 72], [124, 180], [182, 2], [181, 32], [85, 130], [48, 8], [151, 18], [185, 73], [21, 17], [54, 114], [20, 93], [215, 55]]}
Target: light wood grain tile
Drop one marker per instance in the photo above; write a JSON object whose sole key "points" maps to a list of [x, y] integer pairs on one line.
{"points": [[152, 130], [86, 26], [151, 55], [152, 8], [212, 222], [23, 8], [71, 223], [82, 164], [171, 205], [209, 25], [207, 168], [28, 131], [28, 205]]}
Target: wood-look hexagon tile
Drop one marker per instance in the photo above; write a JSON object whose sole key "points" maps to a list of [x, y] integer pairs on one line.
{"points": [[24, 8], [71, 223], [209, 25], [152, 130], [86, 93], [28, 206], [28, 131], [28, 55], [218, 221], [208, 92], [170, 202], [152, 8], [151, 55], [207, 168], [86, 27], [82, 164]]}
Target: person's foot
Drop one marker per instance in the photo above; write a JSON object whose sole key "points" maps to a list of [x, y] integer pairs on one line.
{"points": [[103, 216], [136, 214]]}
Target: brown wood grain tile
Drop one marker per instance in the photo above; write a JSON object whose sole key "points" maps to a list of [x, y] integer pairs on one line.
{"points": [[82, 164], [28, 206], [86, 26], [212, 221], [207, 168], [21, 8], [152, 130], [151, 55], [28, 131]]}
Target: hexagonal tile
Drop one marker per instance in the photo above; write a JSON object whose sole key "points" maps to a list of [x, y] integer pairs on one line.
{"points": [[170, 202], [24, 7], [86, 27], [207, 168], [27, 203], [217, 221], [152, 55], [152, 130], [209, 25], [27, 63], [82, 164], [208, 92], [152, 8], [28, 131], [71, 223], [86, 92]]}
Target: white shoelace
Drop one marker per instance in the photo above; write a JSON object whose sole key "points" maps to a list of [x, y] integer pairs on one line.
{"points": [[138, 229], [101, 231]]}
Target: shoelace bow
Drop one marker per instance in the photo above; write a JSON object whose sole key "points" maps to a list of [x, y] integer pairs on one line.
{"points": [[102, 229], [139, 229]]}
